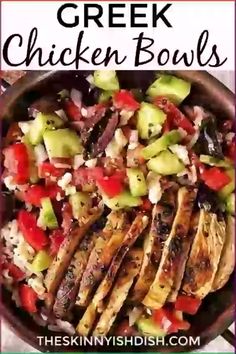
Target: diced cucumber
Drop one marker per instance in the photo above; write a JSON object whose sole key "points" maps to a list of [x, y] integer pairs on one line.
{"points": [[149, 120], [41, 123], [229, 188], [105, 96], [62, 143], [41, 261], [137, 183], [80, 203], [162, 143], [122, 201], [171, 87], [33, 167], [106, 80], [47, 217], [213, 161], [230, 204], [165, 163], [149, 328]]}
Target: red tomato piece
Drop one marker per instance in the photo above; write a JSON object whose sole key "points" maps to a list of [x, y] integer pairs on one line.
{"points": [[175, 116], [166, 318], [28, 298], [111, 186], [124, 99], [52, 190], [72, 110], [35, 236], [56, 238], [34, 195], [187, 304], [215, 178], [17, 162], [46, 169], [15, 272]]}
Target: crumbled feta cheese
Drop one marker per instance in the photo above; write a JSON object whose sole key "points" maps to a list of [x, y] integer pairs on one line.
{"points": [[8, 181], [116, 145], [84, 112], [59, 197], [133, 140], [125, 117], [40, 154], [37, 284], [78, 161], [182, 153], [145, 219], [25, 126], [154, 187], [65, 180], [91, 163]]}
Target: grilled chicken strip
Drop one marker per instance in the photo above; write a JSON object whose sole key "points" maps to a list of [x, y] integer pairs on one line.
{"points": [[204, 257], [59, 265], [86, 323], [66, 294], [120, 291], [227, 260], [174, 252], [102, 254], [162, 219]]}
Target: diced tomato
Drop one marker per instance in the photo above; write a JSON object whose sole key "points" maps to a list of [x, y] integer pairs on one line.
{"points": [[67, 217], [35, 236], [13, 134], [28, 298], [215, 178], [134, 156], [15, 272], [35, 193], [56, 238], [17, 162], [111, 186], [125, 330], [167, 125], [167, 319], [125, 100], [46, 169], [72, 110], [187, 304], [95, 173], [146, 205], [175, 116]]}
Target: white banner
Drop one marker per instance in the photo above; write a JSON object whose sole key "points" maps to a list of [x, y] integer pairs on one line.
{"points": [[117, 35]]}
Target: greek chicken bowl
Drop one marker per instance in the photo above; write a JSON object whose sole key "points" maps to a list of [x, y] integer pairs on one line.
{"points": [[118, 207]]}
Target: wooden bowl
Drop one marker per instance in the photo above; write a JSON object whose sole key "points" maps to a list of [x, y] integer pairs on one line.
{"points": [[217, 311]]}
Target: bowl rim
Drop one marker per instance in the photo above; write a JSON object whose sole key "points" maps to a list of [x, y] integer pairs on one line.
{"points": [[32, 79]]}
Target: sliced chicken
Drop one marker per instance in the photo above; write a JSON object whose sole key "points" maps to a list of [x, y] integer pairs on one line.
{"points": [[173, 249], [187, 242], [68, 289], [205, 255], [120, 291], [227, 260], [162, 219], [102, 254], [86, 323], [59, 265]]}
